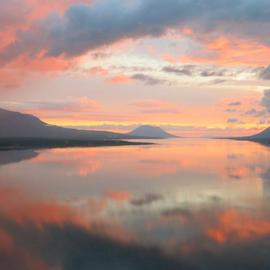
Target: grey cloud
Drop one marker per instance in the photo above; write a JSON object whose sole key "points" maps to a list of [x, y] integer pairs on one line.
{"points": [[265, 74], [147, 79], [256, 113], [100, 55], [218, 81], [213, 73], [177, 212], [265, 102], [147, 199], [207, 71], [230, 111], [235, 104], [183, 70], [84, 27], [233, 120]]}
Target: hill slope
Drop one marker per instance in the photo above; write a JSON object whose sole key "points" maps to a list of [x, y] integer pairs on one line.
{"points": [[19, 125], [265, 134], [147, 131]]}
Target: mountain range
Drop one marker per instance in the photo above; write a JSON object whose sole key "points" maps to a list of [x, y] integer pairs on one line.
{"points": [[20, 125]]}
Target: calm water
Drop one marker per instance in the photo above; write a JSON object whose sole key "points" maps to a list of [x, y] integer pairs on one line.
{"points": [[181, 204]]}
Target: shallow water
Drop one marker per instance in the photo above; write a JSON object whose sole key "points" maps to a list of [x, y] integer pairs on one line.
{"points": [[179, 204]]}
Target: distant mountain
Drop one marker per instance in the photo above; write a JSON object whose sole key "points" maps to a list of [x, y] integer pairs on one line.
{"points": [[147, 131], [264, 135], [19, 125]]}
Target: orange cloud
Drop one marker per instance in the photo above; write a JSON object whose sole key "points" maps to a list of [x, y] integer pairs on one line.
{"points": [[231, 52], [100, 71], [119, 79]]}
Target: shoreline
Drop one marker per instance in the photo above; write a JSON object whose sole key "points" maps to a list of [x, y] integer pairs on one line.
{"points": [[9, 144]]}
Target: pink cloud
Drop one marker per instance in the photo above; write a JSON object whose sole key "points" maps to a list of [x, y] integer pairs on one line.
{"points": [[119, 79]]}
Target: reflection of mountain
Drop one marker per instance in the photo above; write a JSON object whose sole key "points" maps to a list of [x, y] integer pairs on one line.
{"points": [[18, 125], [151, 132], [7, 157]]}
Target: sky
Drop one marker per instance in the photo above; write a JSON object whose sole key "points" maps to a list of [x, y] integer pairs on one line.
{"points": [[193, 67]]}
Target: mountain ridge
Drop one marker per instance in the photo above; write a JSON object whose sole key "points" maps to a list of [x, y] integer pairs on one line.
{"points": [[21, 125]]}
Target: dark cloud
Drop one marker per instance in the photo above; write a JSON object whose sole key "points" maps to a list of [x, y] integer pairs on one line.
{"points": [[265, 74], [256, 113], [233, 120], [147, 199], [84, 27], [178, 212], [265, 102], [235, 104], [218, 81], [213, 73], [147, 79], [230, 111], [100, 55], [183, 70], [206, 71]]}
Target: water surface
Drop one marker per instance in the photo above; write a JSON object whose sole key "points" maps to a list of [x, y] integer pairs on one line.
{"points": [[180, 204]]}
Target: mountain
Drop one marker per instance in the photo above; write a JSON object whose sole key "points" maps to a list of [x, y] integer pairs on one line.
{"points": [[147, 131], [19, 125], [264, 135]]}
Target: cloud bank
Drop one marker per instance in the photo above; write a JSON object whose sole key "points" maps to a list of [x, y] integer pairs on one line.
{"points": [[83, 27]]}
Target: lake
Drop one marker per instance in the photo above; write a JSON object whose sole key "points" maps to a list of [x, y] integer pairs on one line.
{"points": [[178, 204]]}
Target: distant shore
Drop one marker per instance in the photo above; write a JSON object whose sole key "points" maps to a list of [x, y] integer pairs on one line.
{"points": [[42, 143], [250, 139], [263, 141]]}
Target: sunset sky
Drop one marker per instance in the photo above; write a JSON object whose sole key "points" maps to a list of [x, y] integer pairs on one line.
{"points": [[193, 67]]}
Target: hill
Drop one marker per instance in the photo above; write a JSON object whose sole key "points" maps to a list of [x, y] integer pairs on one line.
{"points": [[148, 131], [19, 125], [265, 134]]}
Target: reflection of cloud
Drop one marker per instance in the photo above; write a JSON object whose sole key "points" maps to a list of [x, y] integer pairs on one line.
{"points": [[178, 212], [71, 247], [45, 235], [118, 196], [233, 226], [152, 167], [81, 160], [237, 171], [147, 199]]}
